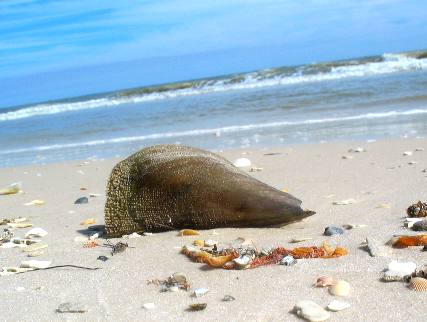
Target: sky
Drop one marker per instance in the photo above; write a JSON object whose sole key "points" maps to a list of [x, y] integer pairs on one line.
{"points": [[57, 49]]}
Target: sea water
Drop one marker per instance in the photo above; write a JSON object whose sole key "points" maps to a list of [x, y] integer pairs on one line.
{"points": [[361, 99]]}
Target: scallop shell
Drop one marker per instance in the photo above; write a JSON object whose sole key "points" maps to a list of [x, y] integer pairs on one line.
{"points": [[418, 284], [324, 281], [188, 232], [340, 288]]}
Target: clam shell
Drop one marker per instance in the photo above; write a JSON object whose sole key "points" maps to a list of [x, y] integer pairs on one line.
{"points": [[340, 288], [336, 306], [418, 284], [311, 311]]}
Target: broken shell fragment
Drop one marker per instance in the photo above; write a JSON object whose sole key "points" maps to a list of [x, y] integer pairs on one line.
{"points": [[35, 202], [324, 281], [344, 202], [36, 232], [5, 271], [242, 261], [418, 284], [12, 189], [336, 306], [34, 247], [340, 288], [69, 307], [198, 292], [81, 200], [20, 224], [197, 306], [35, 264], [188, 232], [407, 241], [228, 298], [199, 242], [311, 311], [300, 239], [89, 221]]}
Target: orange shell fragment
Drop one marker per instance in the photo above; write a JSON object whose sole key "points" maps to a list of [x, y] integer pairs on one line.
{"points": [[408, 241]]}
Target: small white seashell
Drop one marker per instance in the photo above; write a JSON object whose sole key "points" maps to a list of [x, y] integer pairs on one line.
{"points": [[242, 163], [336, 306], [94, 236], [36, 253], [147, 234], [35, 202], [12, 189], [407, 153], [242, 261], [35, 264], [19, 219], [94, 195], [311, 311], [288, 261], [402, 268], [20, 289], [344, 202], [20, 224], [200, 291], [148, 306], [36, 232], [412, 162], [357, 150], [173, 288], [210, 243], [340, 288]]}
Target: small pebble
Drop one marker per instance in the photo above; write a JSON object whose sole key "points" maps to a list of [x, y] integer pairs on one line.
{"points": [[420, 225], [425, 248], [69, 307], [332, 230], [228, 298], [102, 258], [406, 153], [81, 200]]}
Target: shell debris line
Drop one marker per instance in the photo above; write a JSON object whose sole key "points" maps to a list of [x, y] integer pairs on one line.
{"points": [[247, 256]]}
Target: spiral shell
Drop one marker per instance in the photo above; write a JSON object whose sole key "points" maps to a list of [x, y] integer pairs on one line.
{"points": [[418, 284]]}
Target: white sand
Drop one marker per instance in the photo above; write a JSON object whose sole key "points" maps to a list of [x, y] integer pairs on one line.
{"points": [[313, 173]]}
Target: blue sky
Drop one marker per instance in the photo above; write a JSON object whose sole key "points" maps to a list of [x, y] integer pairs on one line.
{"points": [[56, 49]]}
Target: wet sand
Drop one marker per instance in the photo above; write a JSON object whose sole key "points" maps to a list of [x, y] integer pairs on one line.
{"points": [[317, 174]]}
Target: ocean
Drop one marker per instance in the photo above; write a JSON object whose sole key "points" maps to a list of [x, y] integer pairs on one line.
{"points": [[359, 99]]}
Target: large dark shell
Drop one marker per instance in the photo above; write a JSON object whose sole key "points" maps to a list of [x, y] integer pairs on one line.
{"points": [[166, 187]]}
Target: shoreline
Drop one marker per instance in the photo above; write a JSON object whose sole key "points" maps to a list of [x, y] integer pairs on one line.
{"points": [[315, 173]]}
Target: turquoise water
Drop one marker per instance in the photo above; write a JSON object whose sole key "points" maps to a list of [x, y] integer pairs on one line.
{"points": [[369, 98]]}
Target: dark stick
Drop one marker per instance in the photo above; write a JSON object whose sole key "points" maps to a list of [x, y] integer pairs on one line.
{"points": [[59, 266]]}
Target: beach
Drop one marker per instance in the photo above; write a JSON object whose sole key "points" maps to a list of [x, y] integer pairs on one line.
{"points": [[381, 179]]}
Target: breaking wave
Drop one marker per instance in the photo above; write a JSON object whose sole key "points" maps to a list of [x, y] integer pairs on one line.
{"points": [[212, 131], [387, 63]]}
